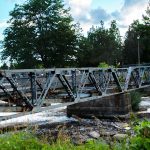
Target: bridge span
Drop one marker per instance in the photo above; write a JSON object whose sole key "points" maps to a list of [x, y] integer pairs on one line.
{"points": [[34, 90]]}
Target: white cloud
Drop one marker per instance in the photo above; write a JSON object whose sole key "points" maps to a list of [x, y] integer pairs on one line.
{"points": [[3, 24], [86, 26], [16, 1], [80, 11], [99, 14], [131, 10], [1, 37], [79, 7], [83, 13]]}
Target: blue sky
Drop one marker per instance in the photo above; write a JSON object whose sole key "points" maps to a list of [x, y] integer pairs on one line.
{"points": [[90, 12]]}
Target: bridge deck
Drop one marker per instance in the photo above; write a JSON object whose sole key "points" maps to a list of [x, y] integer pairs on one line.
{"points": [[29, 88]]}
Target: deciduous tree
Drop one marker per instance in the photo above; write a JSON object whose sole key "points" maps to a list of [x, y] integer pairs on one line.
{"points": [[41, 33], [101, 45], [139, 29]]}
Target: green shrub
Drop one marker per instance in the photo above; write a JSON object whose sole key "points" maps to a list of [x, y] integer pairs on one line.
{"points": [[96, 145], [90, 145], [135, 100], [143, 129], [139, 143], [142, 139], [103, 65], [27, 141], [21, 141]]}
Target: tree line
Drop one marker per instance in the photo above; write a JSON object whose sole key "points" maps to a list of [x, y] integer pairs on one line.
{"points": [[42, 34]]}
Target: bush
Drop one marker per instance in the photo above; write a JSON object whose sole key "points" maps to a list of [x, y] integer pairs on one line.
{"points": [[90, 145], [142, 139], [27, 141], [143, 129], [135, 100], [103, 65], [21, 141]]}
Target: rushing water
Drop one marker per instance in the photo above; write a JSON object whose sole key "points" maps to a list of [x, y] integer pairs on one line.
{"points": [[145, 103], [51, 116]]}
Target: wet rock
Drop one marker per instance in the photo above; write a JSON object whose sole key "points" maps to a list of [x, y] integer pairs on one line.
{"points": [[142, 108], [120, 137], [94, 134], [143, 114], [123, 126], [144, 104]]}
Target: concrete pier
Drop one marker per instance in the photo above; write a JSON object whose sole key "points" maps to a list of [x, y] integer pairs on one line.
{"points": [[118, 105]]}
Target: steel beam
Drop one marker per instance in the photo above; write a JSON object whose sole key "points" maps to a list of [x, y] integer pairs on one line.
{"points": [[31, 87]]}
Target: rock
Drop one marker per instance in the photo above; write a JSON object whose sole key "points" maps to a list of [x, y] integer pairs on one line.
{"points": [[107, 133], [143, 114], [94, 134], [80, 139], [144, 104], [127, 128], [120, 137], [142, 109], [123, 126]]}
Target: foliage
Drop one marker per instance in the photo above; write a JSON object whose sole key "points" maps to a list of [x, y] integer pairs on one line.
{"points": [[91, 144], [103, 65], [101, 45], [143, 129], [142, 138], [4, 66], [135, 100], [41, 33], [27, 141], [138, 143], [21, 141], [141, 30]]}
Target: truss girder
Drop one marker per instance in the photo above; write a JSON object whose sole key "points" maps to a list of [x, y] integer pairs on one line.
{"points": [[30, 87]]}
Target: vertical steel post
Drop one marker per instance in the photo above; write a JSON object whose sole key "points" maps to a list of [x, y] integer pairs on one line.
{"points": [[138, 38], [74, 82], [33, 87]]}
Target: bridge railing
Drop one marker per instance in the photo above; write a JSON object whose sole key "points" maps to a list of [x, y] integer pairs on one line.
{"points": [[30, 88]]}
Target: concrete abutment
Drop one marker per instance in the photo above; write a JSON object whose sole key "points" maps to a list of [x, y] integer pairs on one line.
{"points": [[118, 105]]}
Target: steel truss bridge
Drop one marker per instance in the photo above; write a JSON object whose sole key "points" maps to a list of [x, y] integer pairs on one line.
{"points": [[32, 89]]}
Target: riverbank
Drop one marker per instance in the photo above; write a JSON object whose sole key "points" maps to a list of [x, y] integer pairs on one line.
{"points": [[53, 122], [28, 139]]}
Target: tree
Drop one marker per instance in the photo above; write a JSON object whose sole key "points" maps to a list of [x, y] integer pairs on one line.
{"points": [[41, 32], [141, 29], [101, 45], [116, 44], [144, 30], [4, 66], [131, 44]]}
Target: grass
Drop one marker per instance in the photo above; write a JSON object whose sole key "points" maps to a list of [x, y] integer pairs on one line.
{"points": [[27, 141], [21, 140]]}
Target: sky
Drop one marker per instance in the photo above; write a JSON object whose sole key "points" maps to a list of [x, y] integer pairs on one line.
{"points": [[89, 12]]}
